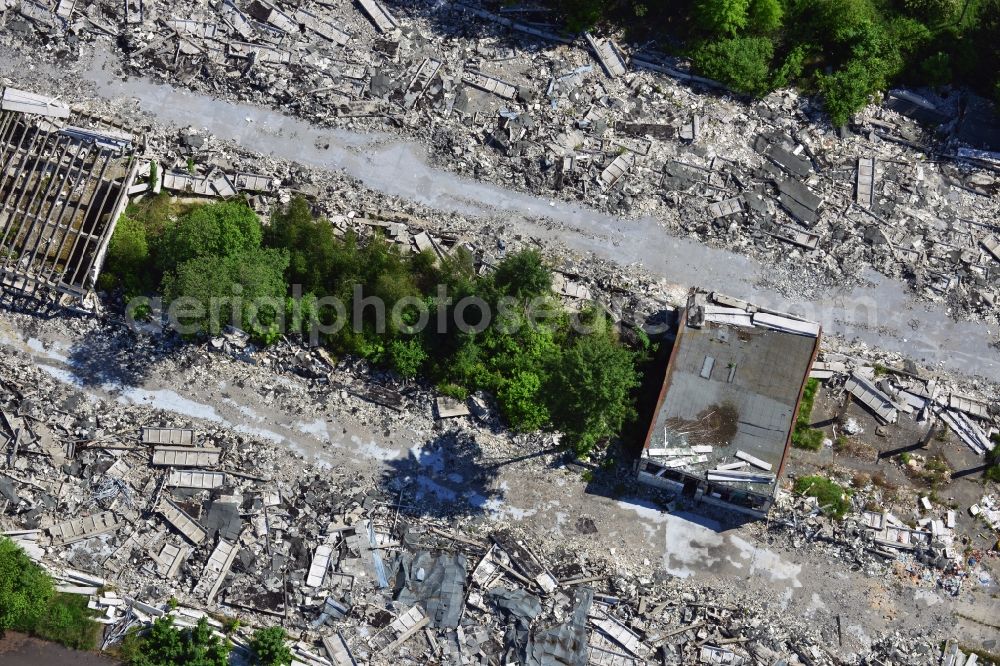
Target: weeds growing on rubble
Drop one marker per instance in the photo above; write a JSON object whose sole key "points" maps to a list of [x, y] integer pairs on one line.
{"points": [[834, 500], [502, 332]]}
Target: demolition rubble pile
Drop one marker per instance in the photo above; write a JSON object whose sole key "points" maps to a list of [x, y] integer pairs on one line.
{"points": [[892, 391], [926, 552], [126, 505], [501, 97]]}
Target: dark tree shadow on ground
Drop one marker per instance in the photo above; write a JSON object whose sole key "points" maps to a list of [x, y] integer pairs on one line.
{"points": [[447, 477], [113, 355]]}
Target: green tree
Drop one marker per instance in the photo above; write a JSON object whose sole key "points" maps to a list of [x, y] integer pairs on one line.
{"points": [[220, 229], [722, 18], [407, 356], [25, 590], [590, 391], [522, 402], [310, 243], [931, 11], [765, 16], [269, 647], [127, 260], [742, 63], [166, 645], [246, 290], [523, 275], [846, 91]]}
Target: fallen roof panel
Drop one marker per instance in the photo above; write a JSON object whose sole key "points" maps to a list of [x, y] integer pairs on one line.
{"points": [[182, 522], [79, 529], [28, 102], [186, 456], [871, 397], [169, 436]]}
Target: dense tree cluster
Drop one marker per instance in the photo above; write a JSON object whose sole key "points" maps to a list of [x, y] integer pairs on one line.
{"points": [[846, 50], [436, 318]]}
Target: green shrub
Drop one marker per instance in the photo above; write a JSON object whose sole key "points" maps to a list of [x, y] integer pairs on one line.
{"points": [[310, 243], [765, 16], [269, 648], [25, 590], [166, 645], [221, 229], [591, 386], [741, 63], [407, 357], [247, 290], [523, 275], [834, 500], [29, 603], [722, 18]]}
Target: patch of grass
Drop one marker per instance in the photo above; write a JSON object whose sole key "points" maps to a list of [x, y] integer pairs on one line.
{"points": [[834, 499], [68, 621], [588, 475], [804, 436], [905, 457]]}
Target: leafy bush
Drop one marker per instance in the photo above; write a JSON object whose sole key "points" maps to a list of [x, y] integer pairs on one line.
{"points": [[765, 16], [407, 357], [590, 388], [269, 648], [834, 500], [523, 275], [225, 290], [221, 229], [521, 401], [310, 243], [723, 18], [29, 603], [742, 63], [25, 590]]}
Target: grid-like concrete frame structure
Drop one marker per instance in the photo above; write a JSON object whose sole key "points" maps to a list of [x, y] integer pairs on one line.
{"points": [[62, 191]]}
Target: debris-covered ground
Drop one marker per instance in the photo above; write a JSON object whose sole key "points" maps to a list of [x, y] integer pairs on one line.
{"points": [[328, 497], [497, 96], [337, 502]]}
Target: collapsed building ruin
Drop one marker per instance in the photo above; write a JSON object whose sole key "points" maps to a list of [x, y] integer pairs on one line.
{"points": [[64, 183], [724, 419]]}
